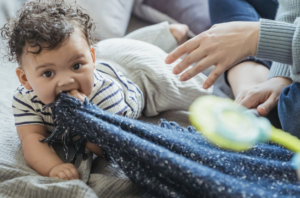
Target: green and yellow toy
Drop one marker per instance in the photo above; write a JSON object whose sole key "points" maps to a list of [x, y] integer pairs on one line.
{"points": [[231, 126]]}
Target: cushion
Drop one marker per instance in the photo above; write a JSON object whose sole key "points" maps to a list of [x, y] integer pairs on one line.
{"points": [[194, 13], [111, 16]]}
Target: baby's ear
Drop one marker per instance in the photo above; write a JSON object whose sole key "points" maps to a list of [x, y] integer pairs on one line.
{"points": [[22, 78], [93, 54]]}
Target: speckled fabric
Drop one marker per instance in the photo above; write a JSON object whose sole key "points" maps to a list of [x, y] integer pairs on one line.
{"points": [[171, 161]]}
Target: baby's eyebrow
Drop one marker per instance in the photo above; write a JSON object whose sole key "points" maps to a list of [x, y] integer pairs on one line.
{"points": [[77, 56], [44, 65]]}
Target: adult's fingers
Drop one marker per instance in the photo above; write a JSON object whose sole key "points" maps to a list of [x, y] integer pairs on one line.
{"points": [[239, 98], [250, 100], [198, 68], [265, 108], [213, 76], [187, 47], [191, 58]]}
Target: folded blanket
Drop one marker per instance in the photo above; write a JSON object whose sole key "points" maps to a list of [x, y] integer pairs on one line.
{"points": [[170, 161]]}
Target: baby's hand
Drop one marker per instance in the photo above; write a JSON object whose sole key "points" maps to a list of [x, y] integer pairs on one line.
{"points": [[75, 93], [64, 171]]}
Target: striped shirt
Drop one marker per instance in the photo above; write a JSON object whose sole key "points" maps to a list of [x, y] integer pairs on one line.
{"points": [[112, 92]]}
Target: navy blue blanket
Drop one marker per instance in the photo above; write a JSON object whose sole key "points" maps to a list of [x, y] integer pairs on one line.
{"points": [[171, 161]]}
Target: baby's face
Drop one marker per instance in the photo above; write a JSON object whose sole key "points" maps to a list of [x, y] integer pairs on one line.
{"points": [[66, 68]]}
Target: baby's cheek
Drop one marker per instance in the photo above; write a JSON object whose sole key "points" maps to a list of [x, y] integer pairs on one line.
{"points": [[46, 96], [87, 86]]}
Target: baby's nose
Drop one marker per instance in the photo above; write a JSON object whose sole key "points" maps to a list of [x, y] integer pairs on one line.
{"points": [[65, 81]]}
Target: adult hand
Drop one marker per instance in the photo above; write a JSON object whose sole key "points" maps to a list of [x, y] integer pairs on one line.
{"points": [[223, 45], [264, 97], [65, 171]]}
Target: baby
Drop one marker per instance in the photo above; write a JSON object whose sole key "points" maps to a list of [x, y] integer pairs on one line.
{"points": [[52, 44]]}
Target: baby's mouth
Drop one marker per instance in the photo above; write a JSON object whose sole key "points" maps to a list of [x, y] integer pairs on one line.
{"points": [[68, 90]]}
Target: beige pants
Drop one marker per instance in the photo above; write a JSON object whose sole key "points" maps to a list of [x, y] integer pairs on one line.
{"points": [[144, 64], [158, 35]]}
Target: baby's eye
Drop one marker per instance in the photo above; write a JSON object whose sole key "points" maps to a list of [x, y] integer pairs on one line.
{"points": [[48, 74], [77, 66]]}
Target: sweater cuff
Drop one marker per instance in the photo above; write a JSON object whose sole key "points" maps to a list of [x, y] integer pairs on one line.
{"points": [[275, 41], [296, 77], [280, 70]]}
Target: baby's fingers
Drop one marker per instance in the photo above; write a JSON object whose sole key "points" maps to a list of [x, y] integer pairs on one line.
{"points": [[62, 175], [69, 174], [77, 94], [75, 173]]}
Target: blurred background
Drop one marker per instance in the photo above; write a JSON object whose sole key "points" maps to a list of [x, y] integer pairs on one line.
{"points": [[115, 18]]}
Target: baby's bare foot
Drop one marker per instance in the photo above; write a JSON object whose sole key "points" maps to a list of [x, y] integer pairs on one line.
{"points": [[180, 32]]}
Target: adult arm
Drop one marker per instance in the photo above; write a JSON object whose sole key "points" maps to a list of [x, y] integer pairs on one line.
{"points": [[226, 44], [265, 96], [280, 41]]}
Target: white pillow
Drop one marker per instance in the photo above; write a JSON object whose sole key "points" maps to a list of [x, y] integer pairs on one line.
{"points": [[111, 16]]}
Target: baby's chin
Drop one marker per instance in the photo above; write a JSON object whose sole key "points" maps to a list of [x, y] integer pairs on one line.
{"points": [[47, 101]]}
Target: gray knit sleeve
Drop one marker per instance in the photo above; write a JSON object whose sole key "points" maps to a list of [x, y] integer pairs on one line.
{"points": [[268, 38], [280, 41], [275, 41], [280, 70]]}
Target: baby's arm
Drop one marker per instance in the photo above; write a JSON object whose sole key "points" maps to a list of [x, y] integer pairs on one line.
{"points": [[42, 157]]}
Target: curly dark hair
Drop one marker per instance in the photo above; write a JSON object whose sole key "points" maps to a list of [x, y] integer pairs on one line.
{"points": [[45, 24]]}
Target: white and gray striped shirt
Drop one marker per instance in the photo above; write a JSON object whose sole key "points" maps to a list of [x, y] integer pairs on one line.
{"points": [[112, 92]]}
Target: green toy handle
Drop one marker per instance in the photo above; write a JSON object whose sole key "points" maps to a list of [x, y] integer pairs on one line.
{"points": [[285, 139]]}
